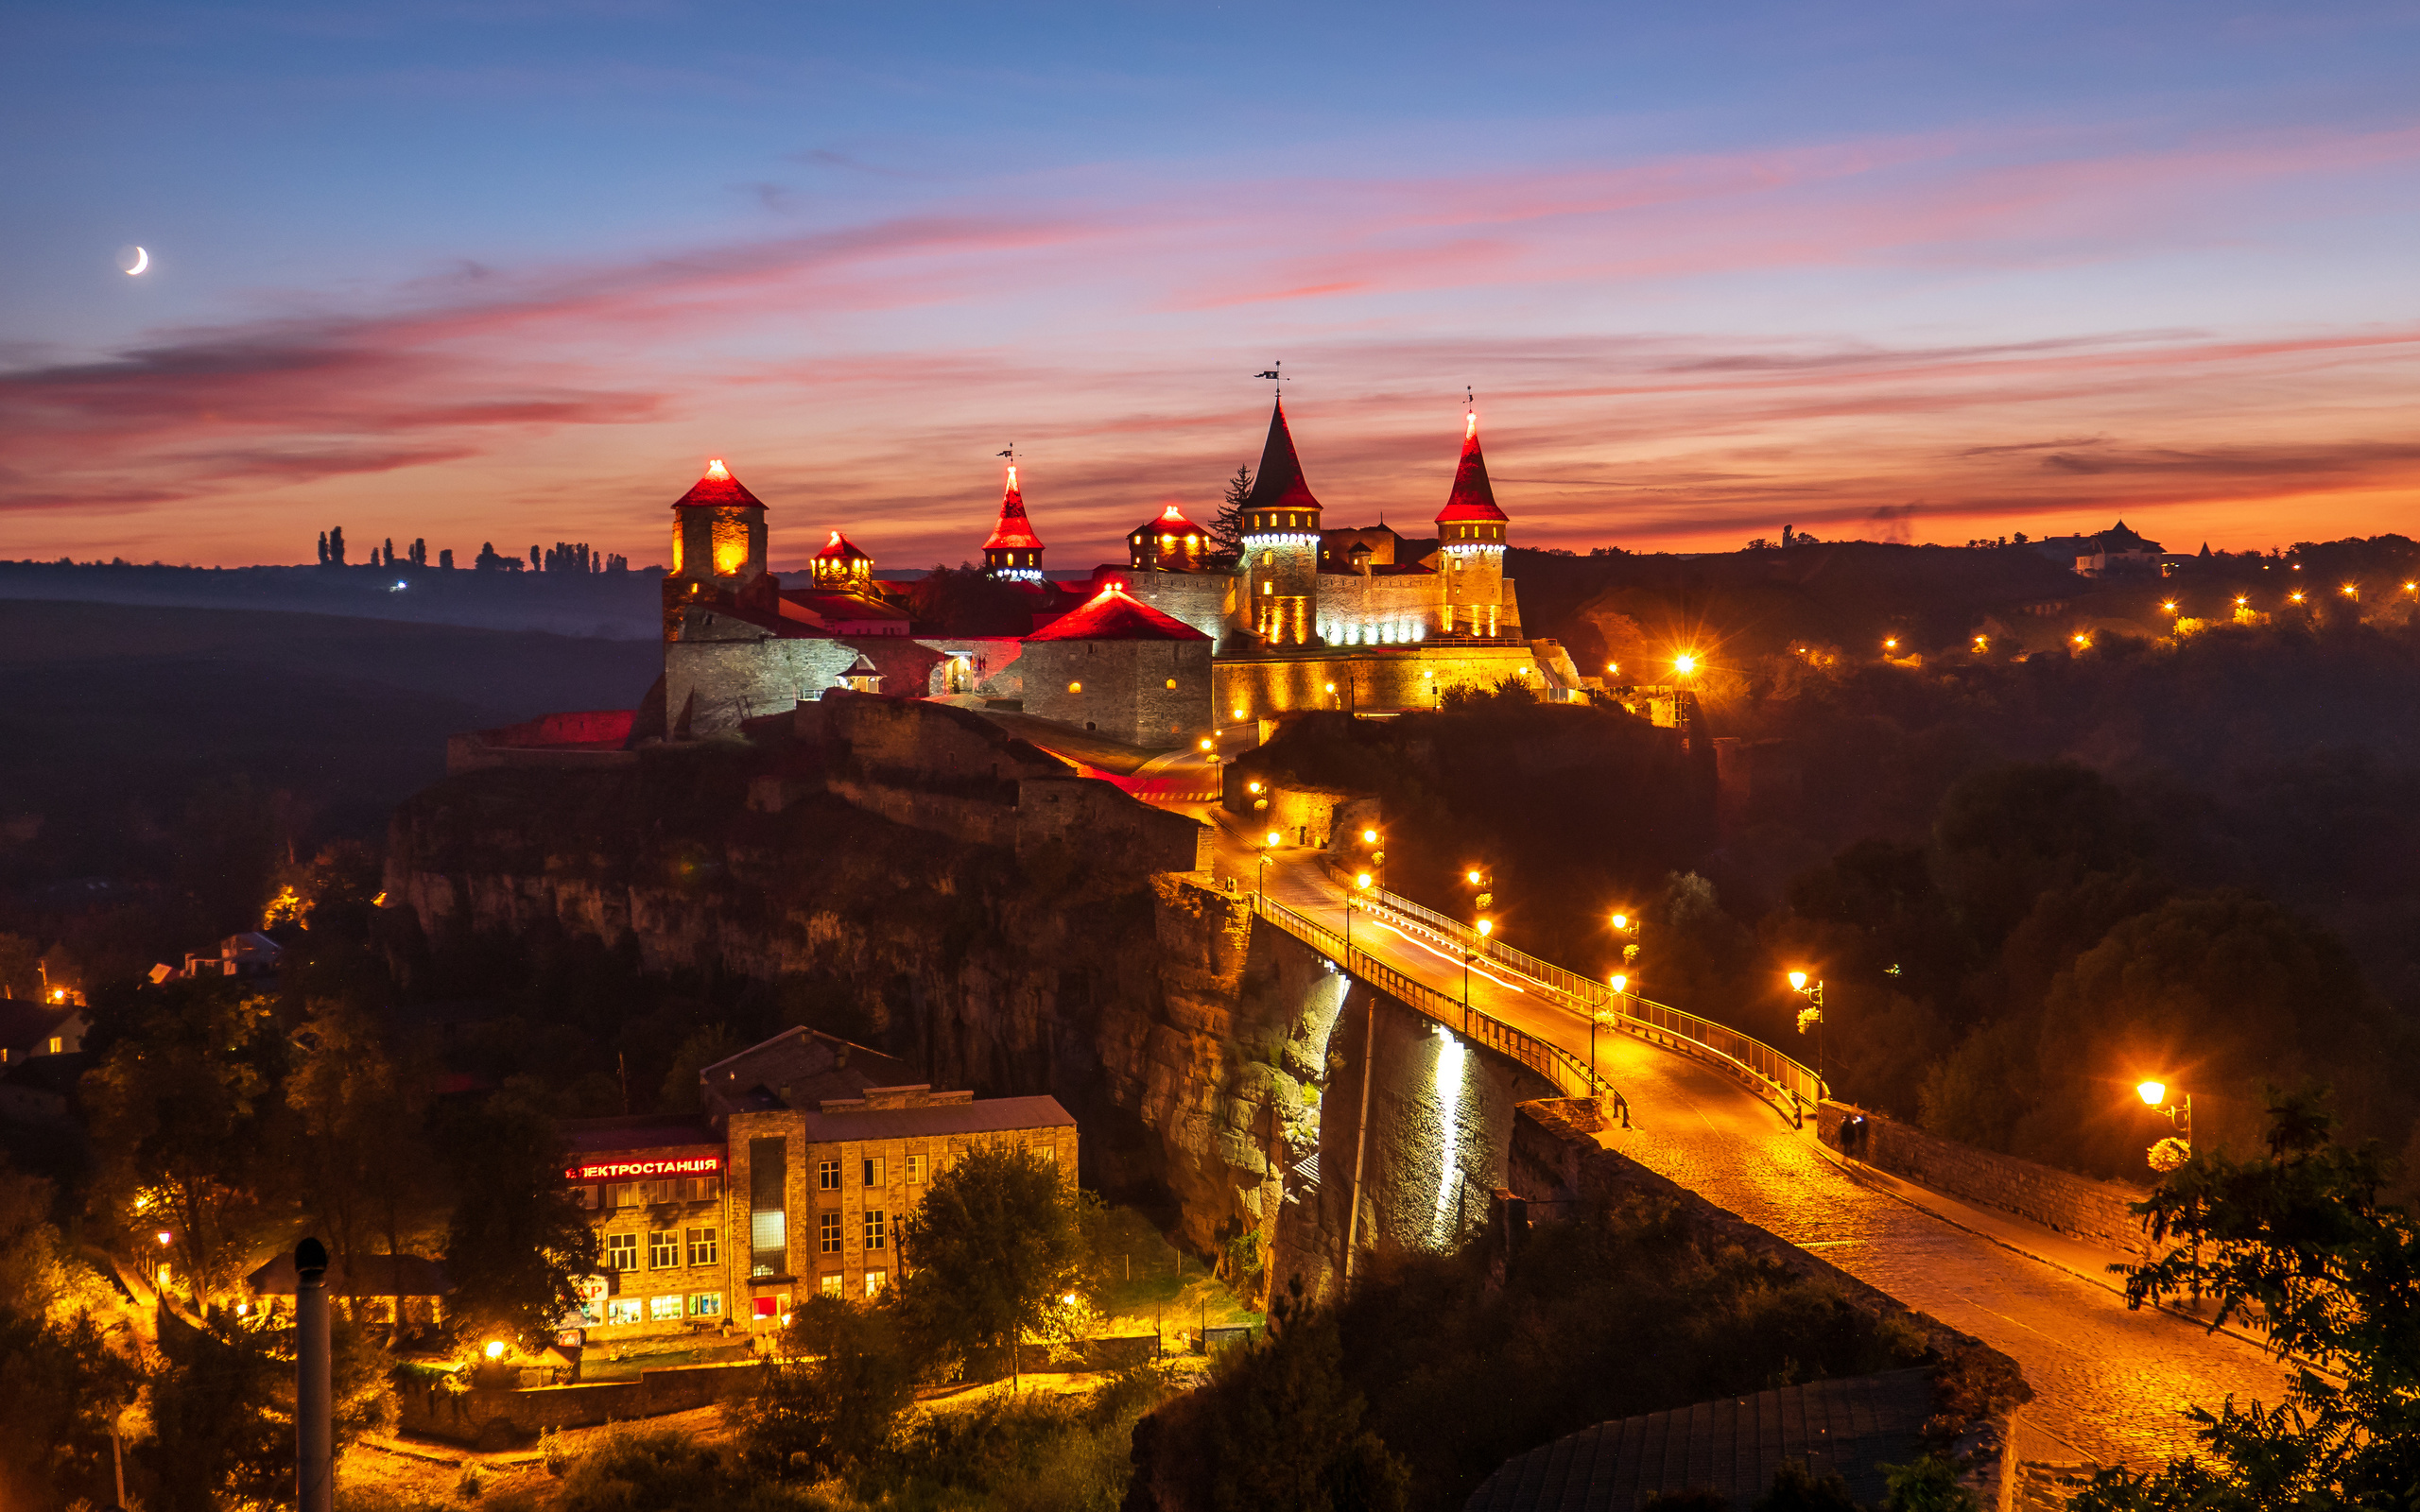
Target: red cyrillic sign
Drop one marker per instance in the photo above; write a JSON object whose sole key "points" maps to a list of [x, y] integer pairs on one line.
{"points": [[638, 1169]]}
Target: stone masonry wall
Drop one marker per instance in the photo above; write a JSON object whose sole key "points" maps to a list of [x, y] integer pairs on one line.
{"points": [[1365, 678], [1122, 689], [2094, 1211]]}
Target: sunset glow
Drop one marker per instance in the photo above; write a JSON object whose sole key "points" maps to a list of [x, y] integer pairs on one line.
{"points": [[1936, 276]]}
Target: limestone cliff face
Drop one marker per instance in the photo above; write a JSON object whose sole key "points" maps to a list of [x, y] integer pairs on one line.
{"points": [[1064, 969]]}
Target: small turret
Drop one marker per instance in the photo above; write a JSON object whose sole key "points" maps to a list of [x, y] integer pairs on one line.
{"points": [[718, 532], [1277, 571], [840, 565], [1168, 542], [1470, 540], [1012, 550]]}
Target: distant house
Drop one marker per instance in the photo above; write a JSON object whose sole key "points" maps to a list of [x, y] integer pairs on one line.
{"points": [[2116, 550], [28, 1030], [247, 955]]}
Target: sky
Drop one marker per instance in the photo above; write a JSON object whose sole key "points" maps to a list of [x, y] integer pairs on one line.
{"points": [[513, 270]]}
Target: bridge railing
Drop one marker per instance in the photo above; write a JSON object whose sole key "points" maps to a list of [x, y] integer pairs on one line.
{"points": [[1583, 994], [1570, 1074], [1766, 1070]]}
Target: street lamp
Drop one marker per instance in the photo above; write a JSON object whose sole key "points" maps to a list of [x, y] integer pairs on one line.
{"points": [[1890, 642], [1360, 884], [1272, 845], [1485, 928], [1812, 990], [2180, 1113], [1685, 663]]}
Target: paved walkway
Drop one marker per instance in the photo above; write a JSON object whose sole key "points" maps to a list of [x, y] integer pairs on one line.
{"points": [[2112, 1386]]}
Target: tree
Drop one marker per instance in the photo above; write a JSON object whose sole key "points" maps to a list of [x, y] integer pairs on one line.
{"points": [[336, 546], [517, 1241], [62, 1389], [998, 1241], [360, 1149], [1227, 527], [176, 1117], [222, 1408], [20, 967], [1797, 1490], [419, 551], [2301, 1237], [836, 1402], [1285, 1428]]}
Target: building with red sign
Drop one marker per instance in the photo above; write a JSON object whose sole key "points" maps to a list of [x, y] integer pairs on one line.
{"points": [[792, 1181]]}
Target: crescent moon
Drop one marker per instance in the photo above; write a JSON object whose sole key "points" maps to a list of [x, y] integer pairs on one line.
{"points": [[142, 260]]}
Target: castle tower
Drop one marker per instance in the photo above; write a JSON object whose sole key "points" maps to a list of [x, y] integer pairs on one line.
{"points": [[719, 533], [840, 565], [1167, 542], [1470, 540], [1013, 551], [1278, 571]]}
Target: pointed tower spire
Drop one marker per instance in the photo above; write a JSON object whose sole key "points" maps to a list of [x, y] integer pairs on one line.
{"points": [[1013, 549], [1473, 500], [1279, 482]]}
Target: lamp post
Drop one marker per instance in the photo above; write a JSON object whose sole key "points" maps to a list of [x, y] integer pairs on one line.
{"points": [[1361, 885], [2180, 1116], [1267, 846], [1485, 928], [1813, 992]]}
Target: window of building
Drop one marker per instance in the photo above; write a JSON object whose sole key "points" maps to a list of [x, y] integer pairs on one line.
{"points": [[705, 1304], [624, 1310], [874, 1166], [876, 1280], [768, 1306], [830, 1225], [769, 1242], [827, 1176], [874, 1228], [1268, 589], [831, 1284], [915, 1170], [617, 1195], [621, 1251], [1268, 558], [663, 1248], [1046, 1154], [57, 1045], [768, 1215], [664, 1308], [703, 1247]]}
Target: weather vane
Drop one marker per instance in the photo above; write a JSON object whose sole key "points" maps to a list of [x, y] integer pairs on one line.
{"points": [[1271, 374], [1010, 454]]}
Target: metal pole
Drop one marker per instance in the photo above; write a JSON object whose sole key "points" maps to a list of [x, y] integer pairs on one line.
{"points": [[1361, 1132], [314, 1465]]}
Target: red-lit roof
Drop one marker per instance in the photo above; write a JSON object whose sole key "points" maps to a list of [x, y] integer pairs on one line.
{"points": [[840, 548], [719, 487], [1112, 615], [1471, 499], [1169, 522], [1279, 482], [1014, 532]]}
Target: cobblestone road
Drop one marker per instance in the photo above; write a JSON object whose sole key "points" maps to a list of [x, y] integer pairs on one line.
{"points": [[2112, 1386]]}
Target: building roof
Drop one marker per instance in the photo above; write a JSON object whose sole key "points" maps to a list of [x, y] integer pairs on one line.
{"points": [[1472, 498], [24, 1025], [371, 1275], [1849, 1427], [986, 1116], [1014, 532], [642, 1131], [718, 488], [831, 605], [840, 548], [1113, 615], [802, 1067], [1279, 482], [1169, 522]]}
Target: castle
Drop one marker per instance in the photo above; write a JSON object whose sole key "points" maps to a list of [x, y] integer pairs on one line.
{"points": [[1179, 640]]}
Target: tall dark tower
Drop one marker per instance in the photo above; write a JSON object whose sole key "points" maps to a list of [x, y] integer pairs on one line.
{"points": [[1013, 551], [1277, 572]]}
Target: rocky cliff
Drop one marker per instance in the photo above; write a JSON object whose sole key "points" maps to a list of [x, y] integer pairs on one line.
{"points": [[1061, 967]]}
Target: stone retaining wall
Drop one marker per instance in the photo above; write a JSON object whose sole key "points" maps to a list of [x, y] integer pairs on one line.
{"points": [[500, 1418], [2089, 1210]]}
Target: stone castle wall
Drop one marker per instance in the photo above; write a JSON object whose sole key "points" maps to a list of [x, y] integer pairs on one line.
{"points": [[1151, 693], [1206, 601], [2089, 1210], [1368, 677]]}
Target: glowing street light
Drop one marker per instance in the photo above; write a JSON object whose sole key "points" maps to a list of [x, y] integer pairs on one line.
{"points": [[1369, 837], [1621, 923], [1890, 642], [2294, 597], [1685, 663], [2152, 1092], [494, 1350], [1273, 838], [1360, 885], [1812, 990], [2353, 592], [1982, 643]]}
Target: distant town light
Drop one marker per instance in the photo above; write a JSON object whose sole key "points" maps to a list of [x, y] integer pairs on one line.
{"points": [[166, 1238], [1890, 642]]}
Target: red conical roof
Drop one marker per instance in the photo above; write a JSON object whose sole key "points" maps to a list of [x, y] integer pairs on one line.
{"points": [[1110, 616], [840, 548], [1170, 522], [1279, 482], [718, 488], [1471, 499], [1014, 532]]}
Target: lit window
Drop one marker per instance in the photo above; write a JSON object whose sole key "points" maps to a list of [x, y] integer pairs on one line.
{"points": [[1046, 1154], [665, 1308], [874, 1228], [705, 1304], [828, 1228], [874, 1170], [58, 1046], [621, 1251], [1268, 587], [875, 1281], [827, 1176], [663, 1249], [1074, 687], [703, 1247], [830, 1284], [624, 1310], [915, 1170], [1268, 559], [1171, 684]]}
